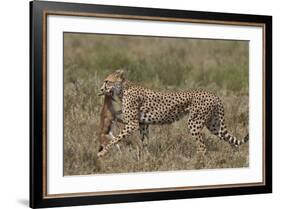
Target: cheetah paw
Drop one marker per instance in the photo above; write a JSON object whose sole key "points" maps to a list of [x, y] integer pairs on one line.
{"points": [[101, 154]]}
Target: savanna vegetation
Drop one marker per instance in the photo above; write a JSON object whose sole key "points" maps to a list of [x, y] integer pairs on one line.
{"points": [[159, 63]]}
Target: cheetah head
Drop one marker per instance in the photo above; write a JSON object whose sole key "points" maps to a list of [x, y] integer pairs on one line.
{"points": [[112, 84]]}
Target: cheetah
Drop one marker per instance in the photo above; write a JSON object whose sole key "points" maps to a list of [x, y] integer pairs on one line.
{"points": [[141, 105], [110, 114]]}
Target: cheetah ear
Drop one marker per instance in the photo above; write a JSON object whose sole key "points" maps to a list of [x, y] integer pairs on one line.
{"points": [[121, 74]]}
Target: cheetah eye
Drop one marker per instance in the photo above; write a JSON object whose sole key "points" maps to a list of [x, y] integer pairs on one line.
{"points": [[109, 82]]}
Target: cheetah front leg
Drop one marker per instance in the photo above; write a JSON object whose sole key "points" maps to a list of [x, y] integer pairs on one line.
{"points": [[144, 136], [128, 130], [130, 110], [144, 133]]}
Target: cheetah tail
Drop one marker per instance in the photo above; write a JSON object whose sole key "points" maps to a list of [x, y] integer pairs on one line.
{"points": [[237, 142], [246, 139]]}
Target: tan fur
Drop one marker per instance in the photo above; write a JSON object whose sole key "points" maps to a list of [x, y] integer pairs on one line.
{"points": [[108, 116]]}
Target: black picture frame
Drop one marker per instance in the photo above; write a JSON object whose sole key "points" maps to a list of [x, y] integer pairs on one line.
{"points": [[38, 12]]}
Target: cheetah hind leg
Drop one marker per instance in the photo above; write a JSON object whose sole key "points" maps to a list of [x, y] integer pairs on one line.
{"points": [[201, 151], [196, 132]]}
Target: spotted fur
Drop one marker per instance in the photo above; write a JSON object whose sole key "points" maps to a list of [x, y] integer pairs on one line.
{"points": [[142, 105]]}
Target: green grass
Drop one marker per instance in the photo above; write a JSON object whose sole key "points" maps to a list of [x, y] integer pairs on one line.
{"points": [[159, 63]]}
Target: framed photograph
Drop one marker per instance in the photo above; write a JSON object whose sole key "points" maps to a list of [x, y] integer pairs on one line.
{"points": [[139, 104]]}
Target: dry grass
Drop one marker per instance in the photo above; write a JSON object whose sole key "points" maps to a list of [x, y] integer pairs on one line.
{"points": [[219, 66]]}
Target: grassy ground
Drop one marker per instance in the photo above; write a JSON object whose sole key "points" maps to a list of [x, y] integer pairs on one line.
{"points": [[216, 65]]}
